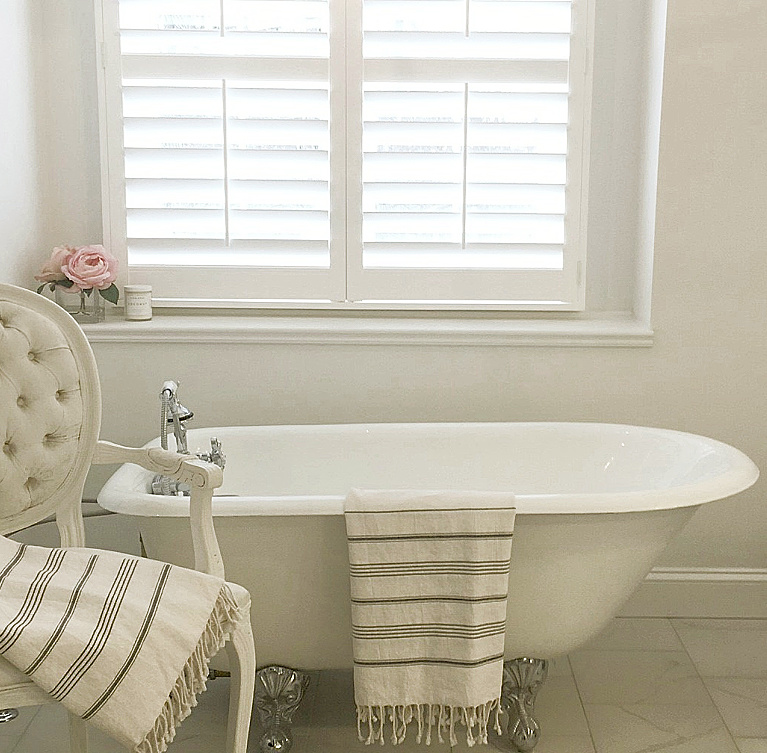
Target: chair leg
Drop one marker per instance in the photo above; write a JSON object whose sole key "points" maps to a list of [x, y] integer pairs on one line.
{"points": [[78, 735], [242, 667]]}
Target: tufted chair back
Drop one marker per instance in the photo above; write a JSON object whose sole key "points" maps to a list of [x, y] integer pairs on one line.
{"points": [[50, 414]]}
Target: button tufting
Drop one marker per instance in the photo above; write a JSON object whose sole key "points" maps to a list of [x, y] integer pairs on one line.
{"points": [[31, 483], [60, 394], [32, 356], [7, 447], [21, 401]]}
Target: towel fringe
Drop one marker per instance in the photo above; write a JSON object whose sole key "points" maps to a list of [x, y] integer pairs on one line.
{"points": [[193, 677], [441, 718]]}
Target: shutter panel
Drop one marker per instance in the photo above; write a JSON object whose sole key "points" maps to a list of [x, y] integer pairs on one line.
{"points": [[469, 146], [226, 115]]}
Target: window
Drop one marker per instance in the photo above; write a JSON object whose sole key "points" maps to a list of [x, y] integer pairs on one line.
{"points": [[356, 153]]}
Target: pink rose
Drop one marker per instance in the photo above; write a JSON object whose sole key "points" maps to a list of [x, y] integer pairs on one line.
{"points": [[90, 267], [52, 269]]}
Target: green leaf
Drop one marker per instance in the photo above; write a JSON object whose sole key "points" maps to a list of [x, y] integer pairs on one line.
{"points": [[111, 294], [53, 287], [40, 289], [65, 283]]}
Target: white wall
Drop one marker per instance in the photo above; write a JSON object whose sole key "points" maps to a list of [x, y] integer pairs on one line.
{"points": [[19, 161], [64, 50], [706, 372], [49, 161]]}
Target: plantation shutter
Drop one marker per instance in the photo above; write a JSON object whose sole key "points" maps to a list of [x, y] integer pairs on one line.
{"points": [[226, 115], [394, 153], [472, 138]]}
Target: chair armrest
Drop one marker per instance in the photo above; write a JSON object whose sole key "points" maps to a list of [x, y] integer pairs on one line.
{"points": [[185, 468], [202, 478]]}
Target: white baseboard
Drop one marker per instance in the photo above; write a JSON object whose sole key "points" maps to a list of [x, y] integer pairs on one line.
{"points": [[700, 592]]}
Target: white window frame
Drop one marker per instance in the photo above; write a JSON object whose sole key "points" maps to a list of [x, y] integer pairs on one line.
{"points": [[631, 274]]}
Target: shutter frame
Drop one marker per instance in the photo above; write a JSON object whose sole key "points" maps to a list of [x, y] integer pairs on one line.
{"points": [[346, 282]]}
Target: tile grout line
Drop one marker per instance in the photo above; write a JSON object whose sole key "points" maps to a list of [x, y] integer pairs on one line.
{"points": [[700, 677], [312, 709], [583, 705], [25, 732]]}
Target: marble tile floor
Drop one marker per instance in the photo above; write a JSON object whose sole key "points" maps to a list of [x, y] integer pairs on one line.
{"points": [[642, 686]]}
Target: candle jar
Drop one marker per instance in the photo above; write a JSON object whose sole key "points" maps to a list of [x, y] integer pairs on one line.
{"points": [[138, 302]]}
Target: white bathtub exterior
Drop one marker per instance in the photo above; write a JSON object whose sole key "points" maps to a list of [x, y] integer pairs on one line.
{"points": [[597, 504]]}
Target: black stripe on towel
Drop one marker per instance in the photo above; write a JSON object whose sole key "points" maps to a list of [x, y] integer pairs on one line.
{"points": [[462, 625], [424, 599], [57, 633], [384, 569], [428, 660], [501, 536], [100, 634], [32, 600], [137, 644], [468, 563], [430, 633], [12, 563], [403, 627]]}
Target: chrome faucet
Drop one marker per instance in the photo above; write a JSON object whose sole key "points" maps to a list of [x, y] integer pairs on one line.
{"points": [[173, 413]]}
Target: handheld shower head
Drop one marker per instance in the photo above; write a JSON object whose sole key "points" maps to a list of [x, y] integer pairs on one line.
{"points": [[177, 411], [184, 414]]}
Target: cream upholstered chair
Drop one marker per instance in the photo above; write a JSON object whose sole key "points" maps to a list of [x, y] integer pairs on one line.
{"points": [[50, 414]]}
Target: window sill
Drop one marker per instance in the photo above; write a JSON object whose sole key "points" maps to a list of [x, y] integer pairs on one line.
{"points": [[614, 331]]}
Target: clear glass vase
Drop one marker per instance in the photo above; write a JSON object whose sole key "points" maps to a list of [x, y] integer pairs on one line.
{"points": [[86, 306]]}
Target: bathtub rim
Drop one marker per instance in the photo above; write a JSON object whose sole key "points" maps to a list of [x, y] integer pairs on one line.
{"points": [[122, 492]]}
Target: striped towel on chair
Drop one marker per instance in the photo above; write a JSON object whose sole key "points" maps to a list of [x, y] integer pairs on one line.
{"points": [[120, 641], [429, 581]]}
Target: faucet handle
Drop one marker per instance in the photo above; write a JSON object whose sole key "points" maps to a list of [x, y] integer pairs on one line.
{"points": [[215, 455]]}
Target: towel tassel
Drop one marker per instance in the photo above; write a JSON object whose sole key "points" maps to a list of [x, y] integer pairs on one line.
{"points": [[429, 717], [193, 677]]}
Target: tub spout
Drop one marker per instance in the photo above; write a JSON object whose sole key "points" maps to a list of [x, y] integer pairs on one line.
{"points": [[522, 678]]}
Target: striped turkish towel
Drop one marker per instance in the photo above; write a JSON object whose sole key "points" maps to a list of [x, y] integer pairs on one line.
{"points": [[120, 641], [429, 582]]}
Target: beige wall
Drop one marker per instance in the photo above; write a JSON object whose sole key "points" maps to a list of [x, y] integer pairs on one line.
{"points": [[706, 372]]}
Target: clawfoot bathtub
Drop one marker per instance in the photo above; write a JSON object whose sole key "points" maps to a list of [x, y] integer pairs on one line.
{"points": [[596, 505]]}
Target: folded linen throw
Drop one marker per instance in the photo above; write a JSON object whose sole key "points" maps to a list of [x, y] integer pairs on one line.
{"points": [[120, 641], [429, 583]]}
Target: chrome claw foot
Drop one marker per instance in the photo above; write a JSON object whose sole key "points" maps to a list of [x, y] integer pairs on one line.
{"points": [[279, 692], [8, 715], [522, 678]]}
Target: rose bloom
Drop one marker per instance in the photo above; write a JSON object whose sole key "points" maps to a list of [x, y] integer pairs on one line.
{"points": [[90, 267], [52, 269]]}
